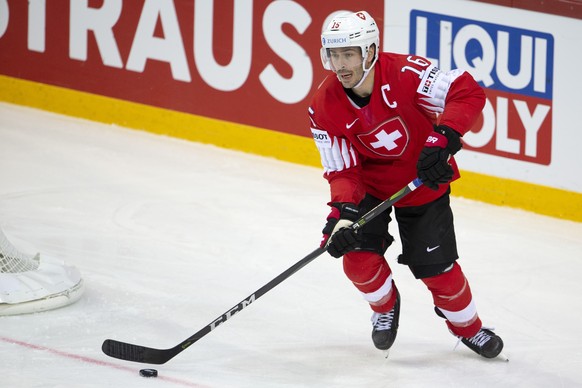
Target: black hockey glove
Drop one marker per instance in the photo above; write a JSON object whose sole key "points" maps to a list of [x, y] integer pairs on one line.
{"points": [[433, 163], [338, 238]]}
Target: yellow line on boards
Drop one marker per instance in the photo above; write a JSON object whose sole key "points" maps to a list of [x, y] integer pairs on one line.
{"points": [[291, 148]]}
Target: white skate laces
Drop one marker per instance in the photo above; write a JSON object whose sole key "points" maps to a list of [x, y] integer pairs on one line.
{"points": [[479, 339], [383, 321]]}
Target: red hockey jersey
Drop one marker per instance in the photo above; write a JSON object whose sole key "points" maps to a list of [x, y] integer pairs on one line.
{"points": [[374, 149]]}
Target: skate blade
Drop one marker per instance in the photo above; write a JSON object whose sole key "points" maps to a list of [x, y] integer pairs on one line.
{"points": [[503, 357], [386, 353]]}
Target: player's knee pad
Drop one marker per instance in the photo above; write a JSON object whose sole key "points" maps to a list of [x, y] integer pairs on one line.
{"points": [[367, 270], [450, 288]]}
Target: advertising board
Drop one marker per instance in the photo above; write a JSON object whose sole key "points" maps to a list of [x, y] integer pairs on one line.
{"points": [[525, 65], [240, 73]]}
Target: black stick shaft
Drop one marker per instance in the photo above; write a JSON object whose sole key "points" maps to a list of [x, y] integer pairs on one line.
{"points": [[143, 354]]}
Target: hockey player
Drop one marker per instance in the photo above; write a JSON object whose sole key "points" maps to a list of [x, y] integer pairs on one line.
{"points": [[380, 121]]}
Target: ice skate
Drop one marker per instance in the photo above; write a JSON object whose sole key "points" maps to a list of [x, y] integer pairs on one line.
{"points": [[385, 327], [485, 343]]}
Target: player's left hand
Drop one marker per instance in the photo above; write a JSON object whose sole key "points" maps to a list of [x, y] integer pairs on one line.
{"points": [[433, 164]]}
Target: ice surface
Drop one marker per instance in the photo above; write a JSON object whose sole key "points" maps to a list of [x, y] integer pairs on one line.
{"points": [[170, 234]]}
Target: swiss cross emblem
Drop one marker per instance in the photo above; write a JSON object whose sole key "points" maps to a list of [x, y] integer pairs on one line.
{"points": [[388, 139]]}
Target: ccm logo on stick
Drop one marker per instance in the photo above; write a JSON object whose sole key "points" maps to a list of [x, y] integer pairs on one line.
{"points": [[230, 313]]}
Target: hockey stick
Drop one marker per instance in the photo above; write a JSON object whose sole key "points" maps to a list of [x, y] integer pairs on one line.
{"points": [[143, 354]]}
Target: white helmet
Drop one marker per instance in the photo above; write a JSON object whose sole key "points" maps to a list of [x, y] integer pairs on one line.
{"points": [[357, 29]]}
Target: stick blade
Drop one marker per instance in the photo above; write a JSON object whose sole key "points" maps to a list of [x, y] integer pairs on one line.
{"points": [[135, 353]]}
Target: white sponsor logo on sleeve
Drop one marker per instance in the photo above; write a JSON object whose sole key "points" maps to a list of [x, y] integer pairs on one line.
{"points": [[321, 138], [429, 80]]}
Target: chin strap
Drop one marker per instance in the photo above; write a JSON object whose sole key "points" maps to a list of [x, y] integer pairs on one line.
{"points": [[366, 72]]}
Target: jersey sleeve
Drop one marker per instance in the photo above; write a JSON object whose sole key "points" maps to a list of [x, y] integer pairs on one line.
{"points": [[340, 163], [464, 102], [453, 98]]}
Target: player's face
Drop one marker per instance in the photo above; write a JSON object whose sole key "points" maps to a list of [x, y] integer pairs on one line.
{"points": [[347, 64]]}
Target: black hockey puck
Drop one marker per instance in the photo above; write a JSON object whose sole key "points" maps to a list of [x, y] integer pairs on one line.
{"points": [[148, 373]]}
